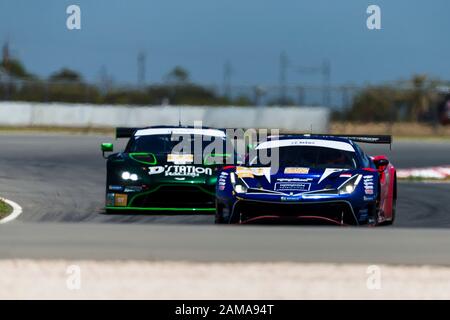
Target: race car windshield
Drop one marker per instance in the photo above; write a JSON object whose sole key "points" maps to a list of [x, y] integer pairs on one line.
{"points": [[166, 143], [308, 156]]}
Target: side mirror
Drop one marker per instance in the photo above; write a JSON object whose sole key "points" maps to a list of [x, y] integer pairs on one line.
{"points": [[381, 162], [106, 147]]}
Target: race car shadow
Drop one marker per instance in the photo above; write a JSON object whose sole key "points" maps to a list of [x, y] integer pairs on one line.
{"points": [[154, 213], [304, 221]]}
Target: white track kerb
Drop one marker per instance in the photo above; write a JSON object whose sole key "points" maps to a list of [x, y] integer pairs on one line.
{"points": [[17, 210]]}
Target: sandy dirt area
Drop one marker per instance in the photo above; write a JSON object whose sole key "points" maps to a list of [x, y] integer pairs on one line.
{"points": [[34, 279]]}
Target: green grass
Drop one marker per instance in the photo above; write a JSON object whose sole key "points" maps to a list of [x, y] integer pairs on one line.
{"points": [[5, 209]]}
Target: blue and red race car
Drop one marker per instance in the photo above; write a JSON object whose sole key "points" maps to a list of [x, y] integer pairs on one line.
{"points": [[310, 179]]}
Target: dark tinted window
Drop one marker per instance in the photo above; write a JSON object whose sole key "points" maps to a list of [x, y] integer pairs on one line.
{"points": [[311, 157], [166, 143]]}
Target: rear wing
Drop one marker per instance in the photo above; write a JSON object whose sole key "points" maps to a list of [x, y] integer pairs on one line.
{"points": [[366, 138], [122, 132], [378, 139]]}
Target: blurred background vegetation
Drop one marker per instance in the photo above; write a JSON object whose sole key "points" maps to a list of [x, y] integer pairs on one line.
{"points": [[418, 99]]}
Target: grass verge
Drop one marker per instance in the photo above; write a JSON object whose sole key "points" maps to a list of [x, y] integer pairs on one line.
{"points": [[5, 209]]}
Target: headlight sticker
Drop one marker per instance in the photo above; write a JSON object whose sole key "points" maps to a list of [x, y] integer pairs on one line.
{"points": [[180, 158], [243, 172], [295, 170]]}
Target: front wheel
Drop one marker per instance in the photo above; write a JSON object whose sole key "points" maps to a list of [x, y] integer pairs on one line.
{"points": [[394, 209], [218, 219]]}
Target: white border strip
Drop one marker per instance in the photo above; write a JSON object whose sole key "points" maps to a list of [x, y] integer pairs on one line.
{"points": [[17, 210], [333, 144], [180, 131]]}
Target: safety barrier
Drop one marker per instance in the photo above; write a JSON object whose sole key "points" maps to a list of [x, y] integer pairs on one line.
{"points": [[28, 114]]}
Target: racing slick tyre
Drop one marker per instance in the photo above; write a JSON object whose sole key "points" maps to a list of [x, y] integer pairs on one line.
{"points": [[394, 206], [219, 218]]}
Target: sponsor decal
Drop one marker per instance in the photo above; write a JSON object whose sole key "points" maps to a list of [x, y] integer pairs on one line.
{"points": [[180, 171], [189, 171], [290, 198], [292, 186], [133, 189], [115, 188], [155, 170], [109, 199], [221, 188], [369, 198], [180, 158], [339, 145], [368, 184], [296, 170], [120, 200], [244, 172], [223, 177], [245, 175], [294, 179], [345, 175]]}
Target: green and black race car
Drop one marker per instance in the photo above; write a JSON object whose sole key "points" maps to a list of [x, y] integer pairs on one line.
{"points": [[166, 169]]}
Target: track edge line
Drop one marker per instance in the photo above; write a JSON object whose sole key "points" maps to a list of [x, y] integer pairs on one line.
{"points": [[17, 211]]}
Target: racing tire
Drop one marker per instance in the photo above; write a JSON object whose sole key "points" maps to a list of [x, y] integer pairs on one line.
{"points": [[391, 222], [394, 206]]}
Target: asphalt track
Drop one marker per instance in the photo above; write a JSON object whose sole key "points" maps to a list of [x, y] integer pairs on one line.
{"points": [[59, 182], [212, 243], [61, 178]]}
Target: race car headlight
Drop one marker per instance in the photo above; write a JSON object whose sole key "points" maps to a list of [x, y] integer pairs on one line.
{"points": [[350, 185], [129, 176], [239, 188], [238, 185]]}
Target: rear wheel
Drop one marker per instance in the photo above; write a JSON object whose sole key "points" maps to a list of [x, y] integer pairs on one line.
{"points": [[394, 205], [374, 212]]}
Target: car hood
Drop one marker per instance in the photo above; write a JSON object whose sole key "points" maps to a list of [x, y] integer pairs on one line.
{"points": [[294, 179], [161, 168]]}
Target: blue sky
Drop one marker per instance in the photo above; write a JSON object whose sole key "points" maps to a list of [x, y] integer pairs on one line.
{"points": [[201, 35]]}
